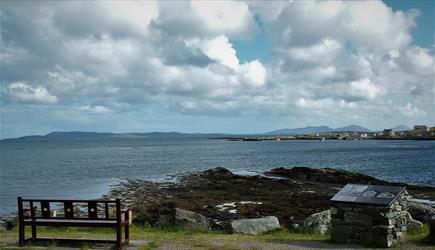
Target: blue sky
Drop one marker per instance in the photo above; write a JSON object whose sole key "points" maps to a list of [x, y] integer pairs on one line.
{"points": [[218, 66]]}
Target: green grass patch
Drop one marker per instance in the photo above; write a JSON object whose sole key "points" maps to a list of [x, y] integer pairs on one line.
{"points": [[178, 238], [418, 234]]}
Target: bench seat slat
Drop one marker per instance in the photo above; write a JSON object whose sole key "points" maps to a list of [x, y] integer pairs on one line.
{"points": [[71, 223]]}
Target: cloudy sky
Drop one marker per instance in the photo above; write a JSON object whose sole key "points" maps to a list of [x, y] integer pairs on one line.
{"points": [[235, 67]]}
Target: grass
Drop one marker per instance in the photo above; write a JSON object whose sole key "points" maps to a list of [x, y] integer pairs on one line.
{"points": [[418, 234], [176, 238]]}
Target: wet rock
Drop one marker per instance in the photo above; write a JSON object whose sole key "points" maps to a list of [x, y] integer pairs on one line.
{"points": [[189, 220], [218, 173], [255, 226], [421, 212], [319, 222], [223, 196], [328, 175]]}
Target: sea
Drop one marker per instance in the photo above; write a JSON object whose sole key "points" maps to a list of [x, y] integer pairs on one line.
{"points": [[87, 169]]}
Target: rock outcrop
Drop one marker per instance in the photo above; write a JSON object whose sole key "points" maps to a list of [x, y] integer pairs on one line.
{"points": [[255, 226], [223, 196], [327, 175], [421, 212], [319, 222], [7, 223], [189, 220]]}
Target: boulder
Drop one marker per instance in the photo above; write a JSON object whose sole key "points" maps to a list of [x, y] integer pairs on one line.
{"points": [[421, 212], [7, 223], [218, 173], [319, 222], [411, 223], [189, 220], [255, 226]]}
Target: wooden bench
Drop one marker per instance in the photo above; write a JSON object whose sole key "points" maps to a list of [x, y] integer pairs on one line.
{"points": [[73, 213]]}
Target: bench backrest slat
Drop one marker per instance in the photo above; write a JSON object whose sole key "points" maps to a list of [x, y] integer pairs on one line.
{"points": [[69, 209], [106, 209], [92, 209], [45, 209]]}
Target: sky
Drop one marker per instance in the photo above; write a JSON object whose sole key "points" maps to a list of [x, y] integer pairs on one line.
{"points": [[218, 66]]}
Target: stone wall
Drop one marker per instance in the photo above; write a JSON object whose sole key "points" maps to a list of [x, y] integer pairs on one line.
{"points": [[370, 225]]}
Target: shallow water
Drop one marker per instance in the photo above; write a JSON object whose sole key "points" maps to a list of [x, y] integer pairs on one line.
{"points": [[85, 169]]}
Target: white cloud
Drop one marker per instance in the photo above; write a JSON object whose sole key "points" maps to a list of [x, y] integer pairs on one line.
{"points": [[325, 50], [138, 14], [254, 73], [221, 50], [97, 109], [205, 19], [179, 57], [410, 111], [220, 16], [11, 54], [324, 104], [23, 92], [365, 89]]}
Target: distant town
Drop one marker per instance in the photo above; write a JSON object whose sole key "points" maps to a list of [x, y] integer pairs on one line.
{"points": [[419, 132]]}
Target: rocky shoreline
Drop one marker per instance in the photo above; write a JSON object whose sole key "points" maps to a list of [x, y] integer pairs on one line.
{"points": [[290, 194]]}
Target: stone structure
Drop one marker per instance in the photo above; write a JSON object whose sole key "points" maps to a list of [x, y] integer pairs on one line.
{"points": [[369, 215]]}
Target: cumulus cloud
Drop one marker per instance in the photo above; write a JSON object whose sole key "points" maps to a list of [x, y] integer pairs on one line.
{"points": [[199, 18], [410, 111], [22, 92], [145, 58], [364, 89], [97, 109]]}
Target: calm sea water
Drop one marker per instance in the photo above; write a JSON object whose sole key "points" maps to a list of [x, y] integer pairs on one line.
{"points": [[86, 169]]}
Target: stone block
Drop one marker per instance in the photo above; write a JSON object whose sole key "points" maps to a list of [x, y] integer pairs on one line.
{"points": [[341, 233], [366, 238], [358, 219]]}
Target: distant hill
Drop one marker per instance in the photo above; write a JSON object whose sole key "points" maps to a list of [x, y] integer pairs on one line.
{"points": [[298, 131], [353, 128], [317, 130], [401, 128], [80, 135]]}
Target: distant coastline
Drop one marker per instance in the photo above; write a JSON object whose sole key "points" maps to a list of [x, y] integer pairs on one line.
{"points": [[351, 132]]}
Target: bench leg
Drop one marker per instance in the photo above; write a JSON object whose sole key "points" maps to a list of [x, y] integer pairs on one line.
{"points": [[127, 233], [118, 237], [127, 227], [34, 232], [21, 231], [21, 234]]}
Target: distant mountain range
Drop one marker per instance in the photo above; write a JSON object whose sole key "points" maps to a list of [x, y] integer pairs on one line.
{"points": [[80, 135], [317, 130], [401, 128]]}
